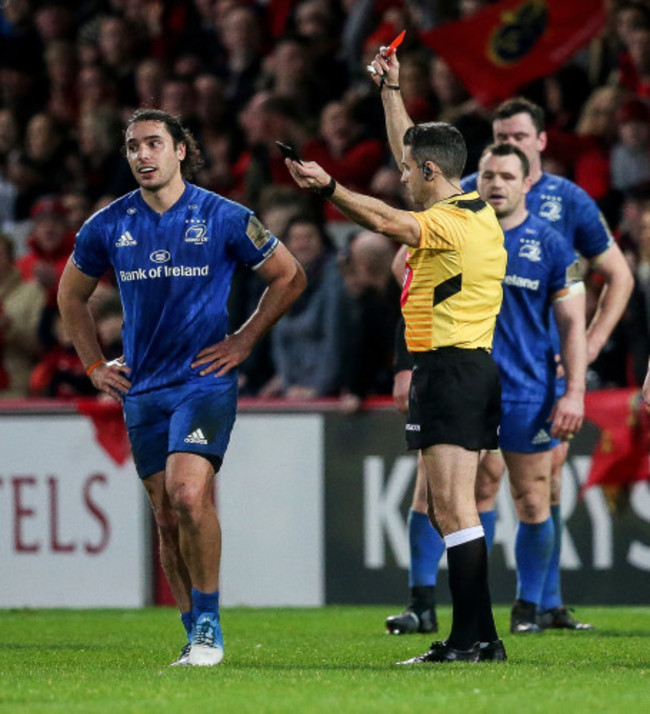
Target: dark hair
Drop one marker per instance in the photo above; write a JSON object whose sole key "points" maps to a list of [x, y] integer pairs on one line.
{"points": [[439, 142], [304, 218], [509, 150], [521, 105], [180, 135], [638, 7]]}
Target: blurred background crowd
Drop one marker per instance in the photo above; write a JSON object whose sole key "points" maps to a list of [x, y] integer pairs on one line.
{"points": [[242, 75]]}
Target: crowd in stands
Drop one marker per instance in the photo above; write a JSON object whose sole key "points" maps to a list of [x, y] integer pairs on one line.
{"points": [[243, 74]]}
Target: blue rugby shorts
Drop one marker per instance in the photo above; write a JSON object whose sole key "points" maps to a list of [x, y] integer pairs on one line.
{"points": [[196, 417], [525, 427]]}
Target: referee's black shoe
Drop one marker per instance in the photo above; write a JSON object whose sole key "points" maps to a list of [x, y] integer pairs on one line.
{"points": [[492, 651], [442, 652], [411, 621]]}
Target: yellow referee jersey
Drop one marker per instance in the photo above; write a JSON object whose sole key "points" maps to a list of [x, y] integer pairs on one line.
{"points": [[452, 285]]}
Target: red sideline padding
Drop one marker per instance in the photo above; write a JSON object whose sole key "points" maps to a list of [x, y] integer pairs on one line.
{"points": [[110, 430]]}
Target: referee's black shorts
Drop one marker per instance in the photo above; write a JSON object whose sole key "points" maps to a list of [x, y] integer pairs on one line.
{"points": [[455, 398]]}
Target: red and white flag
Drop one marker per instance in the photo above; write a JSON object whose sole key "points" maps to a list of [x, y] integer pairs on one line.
{"points": [[506, 45]]}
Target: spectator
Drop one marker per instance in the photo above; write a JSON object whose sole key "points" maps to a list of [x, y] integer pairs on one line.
{"points": [[630, 156], [241, 35], [343, 151], [278, 205], [288, 73], [101, 167], [386, 185], [21, 304], [107, 310], [54, 21], [60, 373], [316, 21], [373, 313], [179, 99], [42, 167], [306, 342], [50, 245], [77, 209], [416, 91], [213, 112], [119, 46], [96, 89], [635, 66], [596, 132], [628, 234], [265, 120], [150, 75], [61, 65]]}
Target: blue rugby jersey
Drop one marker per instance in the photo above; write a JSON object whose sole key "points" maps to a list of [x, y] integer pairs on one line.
{"points": [[174, 273], [524, 350], [569, 209]]}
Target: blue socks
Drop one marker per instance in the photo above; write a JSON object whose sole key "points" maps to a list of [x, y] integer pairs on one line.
{"points": [[551, 594], [204, 602], [489, 523], [533, 550], [426, 548], [186, 619]]}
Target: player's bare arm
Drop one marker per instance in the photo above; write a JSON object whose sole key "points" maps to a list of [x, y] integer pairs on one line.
{"points": [[75, 290], [613, 299], [286, 281], [368, 212], [568, 411]]}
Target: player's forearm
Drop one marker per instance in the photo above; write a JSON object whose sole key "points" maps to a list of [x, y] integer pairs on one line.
{"points": [[570, 318], [613, 298], [574, 356], [611, 306], [278, 297], [80, 326], [397, 121]]}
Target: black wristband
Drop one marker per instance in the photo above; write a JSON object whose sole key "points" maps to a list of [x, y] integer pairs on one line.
{"points": [[326, 191], [390, 86]]}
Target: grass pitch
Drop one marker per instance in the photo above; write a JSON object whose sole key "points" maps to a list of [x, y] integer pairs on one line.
{"points": [[334, 659]]}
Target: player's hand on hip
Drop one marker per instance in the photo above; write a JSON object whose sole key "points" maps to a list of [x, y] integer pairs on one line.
{"points": [[111, 378], [223, 356]]}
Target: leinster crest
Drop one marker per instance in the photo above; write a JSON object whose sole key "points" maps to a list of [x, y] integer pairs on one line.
{"points": [[196, 232]]}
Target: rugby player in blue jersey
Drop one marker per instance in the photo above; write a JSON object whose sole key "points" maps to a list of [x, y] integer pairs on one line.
{"points": [[542, 271], [577, 218], [173, 247]]}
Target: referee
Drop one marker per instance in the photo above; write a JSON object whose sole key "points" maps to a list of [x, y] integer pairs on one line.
{"points": [[450, 299]]}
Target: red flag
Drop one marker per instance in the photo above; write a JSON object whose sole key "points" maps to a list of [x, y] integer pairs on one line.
{"points": [[622, 454], [506, 45]]}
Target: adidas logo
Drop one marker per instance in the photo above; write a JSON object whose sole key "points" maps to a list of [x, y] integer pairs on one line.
{"points": [[125, 240], [542, 437], [196, 437]]}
